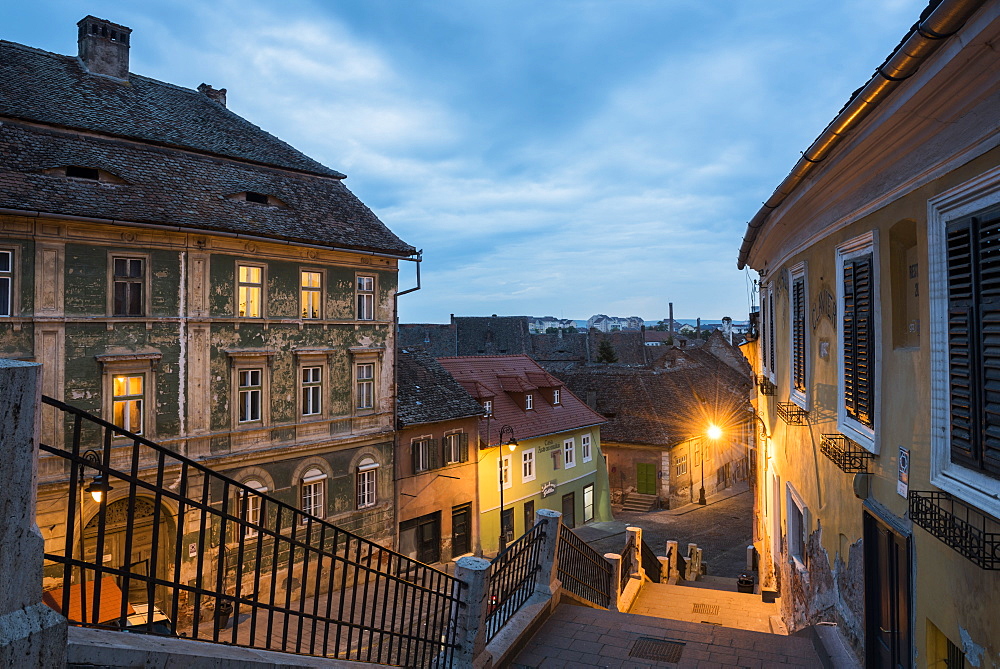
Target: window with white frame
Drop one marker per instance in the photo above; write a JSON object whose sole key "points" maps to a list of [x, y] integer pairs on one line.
{"points": [[680, 465], [585, 448], [858, 337], [6, 283], [503, 471], [250, 394], [488, 406], [312, 391], [365, 385], [250, 505], [423, 454], [250, 291], [456, 447], [588, 503], [556, 395], [127, 401], [529, 401], [527, 465], [797, 525], [799, 344], [311, 294], [313, 488], [365, 292], [963, 248], [569, 453], [367, 478]]}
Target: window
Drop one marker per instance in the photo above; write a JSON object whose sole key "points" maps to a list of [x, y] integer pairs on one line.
{"points": [[680, 465], [799, 334], [250, 506], [365, 381], [529, 514], [556, 396], [503, 466], [366, 298], [312, 391], [6, 282], [569, 453], [127, 402], [250, 394], [588, 503], [556, 458], [488, 405], [312, 293], [857, 277], [250, 291], [313, 484], [527, 465], [423, 453], [798, 528], [529, 401], [569, 510], [367, 479], [128, 286], [456, 447], [585, 447]]}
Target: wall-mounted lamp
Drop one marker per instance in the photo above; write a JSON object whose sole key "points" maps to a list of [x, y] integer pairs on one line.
{"points": [[506, 439], [99, 486]]}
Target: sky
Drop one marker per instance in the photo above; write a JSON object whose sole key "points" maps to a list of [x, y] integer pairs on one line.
{"points": [[551, 158]]}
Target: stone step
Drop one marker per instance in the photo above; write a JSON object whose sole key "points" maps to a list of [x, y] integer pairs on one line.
{"points": [[639, 502]]}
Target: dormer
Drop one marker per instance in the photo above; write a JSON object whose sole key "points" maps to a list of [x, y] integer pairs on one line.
{"points": [[548, 386], [520, 390], [481, 394], [254, 197], [84, 174]]}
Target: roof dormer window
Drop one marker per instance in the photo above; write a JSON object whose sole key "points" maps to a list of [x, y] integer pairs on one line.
{"points": [[84, 174], [75, 172], [529, 402], [257, 198]]}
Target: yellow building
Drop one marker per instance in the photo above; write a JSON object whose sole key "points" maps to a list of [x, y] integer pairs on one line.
{"points": [[878, 361]]}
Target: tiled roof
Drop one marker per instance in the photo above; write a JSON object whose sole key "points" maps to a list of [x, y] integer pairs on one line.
{"points": [[543, 380], [544, 419], [515, 383], [427, 393]]}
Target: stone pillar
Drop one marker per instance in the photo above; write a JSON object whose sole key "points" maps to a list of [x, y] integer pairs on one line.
{"points": [[664, 568], [672, 557], [31, 634], [635, 533], [547, 582], [470, 622], [616, 580]]}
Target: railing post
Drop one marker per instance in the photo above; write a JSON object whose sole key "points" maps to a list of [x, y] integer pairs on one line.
{"points": [[547, 581], [470, 632], [636, 534], [672, 557], [616, 580], [31, 634], [664, 568]]}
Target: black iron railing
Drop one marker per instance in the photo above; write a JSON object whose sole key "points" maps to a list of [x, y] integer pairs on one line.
{"points": [[650, 563], [628, 562], [173, 547], [512, 578], [844, 453], [966, 529], [765, 385], [792, 413], [582, 570]]}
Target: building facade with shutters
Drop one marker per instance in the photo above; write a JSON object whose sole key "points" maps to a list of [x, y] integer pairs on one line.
{"points": [[876, 357], [194, 280]]}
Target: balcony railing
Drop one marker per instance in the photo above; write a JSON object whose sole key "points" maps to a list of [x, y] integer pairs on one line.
{"points": [[764, 385], [175, 548], [512, 578], [582, 570], [845, 453], [792, 413], [967, 530]]}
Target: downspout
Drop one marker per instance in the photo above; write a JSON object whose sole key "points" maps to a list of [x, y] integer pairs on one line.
{"points": [[923, 40], [395, 399]]}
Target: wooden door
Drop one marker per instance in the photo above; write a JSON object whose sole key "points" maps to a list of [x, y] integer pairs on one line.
{"points": [[887, 596], [568, 510], [645, 476]]}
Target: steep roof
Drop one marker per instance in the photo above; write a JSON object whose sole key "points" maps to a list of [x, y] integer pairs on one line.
{"points": [[427, 393], [544, 418]]}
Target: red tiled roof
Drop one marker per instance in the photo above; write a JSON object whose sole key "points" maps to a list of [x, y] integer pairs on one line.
{"points": [[543, 380], [514, 383], [493, 371]]}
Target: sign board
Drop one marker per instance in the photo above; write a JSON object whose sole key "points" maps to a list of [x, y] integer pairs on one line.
{"points": [[903, 481], [548, 488]]}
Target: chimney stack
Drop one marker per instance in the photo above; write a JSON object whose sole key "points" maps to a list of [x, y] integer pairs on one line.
{"points": [[727, 329], [671, 319], [698, 328], [104, 47], [217, 94]]}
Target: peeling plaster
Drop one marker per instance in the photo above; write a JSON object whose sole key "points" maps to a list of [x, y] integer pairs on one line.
{"points": [[973, 651]]}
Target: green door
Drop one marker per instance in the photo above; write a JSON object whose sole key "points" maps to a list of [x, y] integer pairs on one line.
{"points": [[645, 478]]}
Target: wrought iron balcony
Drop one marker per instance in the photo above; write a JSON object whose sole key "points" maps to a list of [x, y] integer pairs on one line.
{"points": [[765, 386], [845, 453], [966, 529], [792, 413]]}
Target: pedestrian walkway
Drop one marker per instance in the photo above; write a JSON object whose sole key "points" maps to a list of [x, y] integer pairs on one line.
{"points": [[706, 604], [576, 636]]}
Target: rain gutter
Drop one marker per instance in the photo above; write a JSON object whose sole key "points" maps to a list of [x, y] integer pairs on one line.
{"points": [[943, 19]]}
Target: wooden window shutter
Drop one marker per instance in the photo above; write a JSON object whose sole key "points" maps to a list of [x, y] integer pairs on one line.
{"points": [[859, 340], [433, 454], [799, 334], [763, 332], [415, 456], [962, 374], [463, 447], [989, 329]]}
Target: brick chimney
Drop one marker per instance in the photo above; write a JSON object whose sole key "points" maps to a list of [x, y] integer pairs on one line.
{"points": [[104, 47], [217, 94]]}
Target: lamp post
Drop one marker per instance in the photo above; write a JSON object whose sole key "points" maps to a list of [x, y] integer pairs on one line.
{"points": [[713, 432], [99, 485], [506, 439]]}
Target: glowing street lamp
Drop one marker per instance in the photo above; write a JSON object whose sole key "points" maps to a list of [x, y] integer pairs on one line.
{"points": [[99, 485], [506, 439], [713, 432]]}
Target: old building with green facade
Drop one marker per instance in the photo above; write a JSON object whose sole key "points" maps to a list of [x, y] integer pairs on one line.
{"points": [[184, 274]]}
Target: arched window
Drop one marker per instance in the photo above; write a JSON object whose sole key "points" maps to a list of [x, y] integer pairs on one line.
{"points": [[250, 506], [367, 477], [313, 485]]}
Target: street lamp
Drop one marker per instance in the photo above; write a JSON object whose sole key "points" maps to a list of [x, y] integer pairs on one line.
{"points": [[713, 433], [506, 439], [99, 486]]}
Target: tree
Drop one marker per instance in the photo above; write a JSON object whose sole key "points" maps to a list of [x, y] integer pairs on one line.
{"points": [[606, 352], [551, 330]]}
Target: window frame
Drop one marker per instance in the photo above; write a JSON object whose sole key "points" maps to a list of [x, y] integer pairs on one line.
{"points": [[569, 453], [529, 402], [130, 365], [528, 469], [588, 507], [364, 312], [797, 524], [127, 399], [488, 406], [586, 448], [318, 291], [798, 355], [861, 245], [975, 195], [455, 443], [246, 393], [252, 516], [144, 282], [556, 396], [240, 284], [360, 383], [311, 392], [421, 453], [243, 361], [315, 482], [366, 484], [504, 473], [767, 348], [679, 462], [7, 276]]}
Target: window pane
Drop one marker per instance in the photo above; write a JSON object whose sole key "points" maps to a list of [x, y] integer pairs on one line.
{"points": [[121, 267], [6, 260], [135, 385], [135, 416], [4, 296]]}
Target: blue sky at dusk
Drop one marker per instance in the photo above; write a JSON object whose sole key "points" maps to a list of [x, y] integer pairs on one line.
{"points": [[551, 158]]}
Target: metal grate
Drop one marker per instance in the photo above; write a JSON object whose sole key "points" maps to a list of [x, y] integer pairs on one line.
{"points": [[765, 385], [657, 650], [792, 413], [969, 531], [706, 609], [845, 453]]}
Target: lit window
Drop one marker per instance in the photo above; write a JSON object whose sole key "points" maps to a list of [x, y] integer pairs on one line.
{"points": [[367, 478], [6, 282], [128, 286], [680, 465], [312, 291], [569, 453], [503, 466], [312, 391], [366, 298], [528, 465], [313, 484], [585, 447], [529, 401], [365, 379], [127, 402], [588, 503], [456, 447], [250, 393], [556, 396], [250, 292]]}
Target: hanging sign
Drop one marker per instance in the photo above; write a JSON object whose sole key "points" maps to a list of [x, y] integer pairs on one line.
{"points": [[903, 481]]}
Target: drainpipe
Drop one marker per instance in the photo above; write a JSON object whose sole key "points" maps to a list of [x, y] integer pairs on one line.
{"points": [[923, 40], [395, 397]]}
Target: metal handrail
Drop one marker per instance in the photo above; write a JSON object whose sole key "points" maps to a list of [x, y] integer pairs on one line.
{"points": [[628, 562], [650, 563], [582, 570], [512, 578], [256, 571]]}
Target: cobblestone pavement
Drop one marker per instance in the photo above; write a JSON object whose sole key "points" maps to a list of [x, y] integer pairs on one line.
{"points": [[723, 529]]}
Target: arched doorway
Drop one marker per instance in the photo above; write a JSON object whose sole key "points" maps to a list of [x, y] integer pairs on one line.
{"points": [[139, 560]]}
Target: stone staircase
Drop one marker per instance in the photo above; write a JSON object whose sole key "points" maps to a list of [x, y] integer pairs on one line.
{"points": [[638, 502]]}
